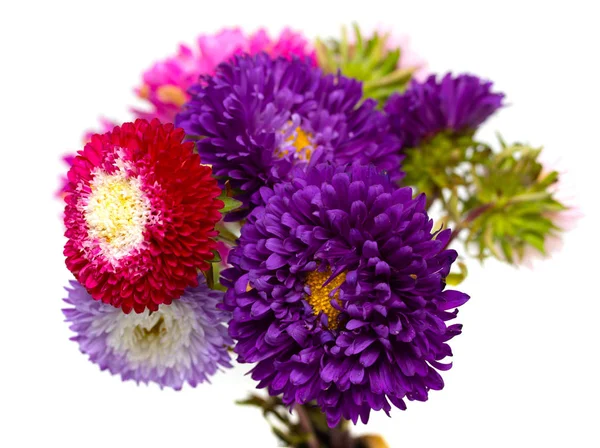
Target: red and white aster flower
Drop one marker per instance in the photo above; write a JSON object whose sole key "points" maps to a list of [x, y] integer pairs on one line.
{"points": [[140, 216]]}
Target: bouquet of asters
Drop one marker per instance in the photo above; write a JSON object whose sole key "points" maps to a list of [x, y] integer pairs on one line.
{"points": [[295, 206]]}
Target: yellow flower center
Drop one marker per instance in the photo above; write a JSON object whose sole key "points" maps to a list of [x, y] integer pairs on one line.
{"points": [[301, 143], [320, 297], [116, 213], [172, 95]]}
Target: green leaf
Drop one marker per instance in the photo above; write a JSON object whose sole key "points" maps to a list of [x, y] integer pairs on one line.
{"points": [[370, 60], [529, 197], [535, 240], [344, 46], [325, 57], [456, 278], [488, 240], [508, 253], [359, 39], [216, 257], [396, 77], [288, 439], [230, 204]]}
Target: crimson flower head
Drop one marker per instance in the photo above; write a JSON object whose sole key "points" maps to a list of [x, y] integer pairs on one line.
{"points": [[140, 216]]}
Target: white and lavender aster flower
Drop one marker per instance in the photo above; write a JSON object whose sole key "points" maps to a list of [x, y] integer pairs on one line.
{"points": [[183, 342], [257, 118], [337, 293]]}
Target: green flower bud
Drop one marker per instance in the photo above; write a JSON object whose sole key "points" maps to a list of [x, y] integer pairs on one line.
{"points": [[373, 61]]}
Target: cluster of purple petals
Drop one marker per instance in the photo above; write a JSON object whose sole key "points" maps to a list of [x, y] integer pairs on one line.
{"points": [[455, 104], [245, 114], [392, 335], [93, 320]]}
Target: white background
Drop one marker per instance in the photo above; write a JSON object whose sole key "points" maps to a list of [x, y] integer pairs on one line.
{"points": [[525, 372]]}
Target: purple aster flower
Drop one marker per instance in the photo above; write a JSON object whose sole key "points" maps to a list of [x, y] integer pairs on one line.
{"points": [[182, 342], [258, 117], [455, 104], [337, 293]]}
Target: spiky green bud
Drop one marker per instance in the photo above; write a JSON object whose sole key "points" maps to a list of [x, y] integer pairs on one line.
{"points": [[516, 201], [371, 61]]}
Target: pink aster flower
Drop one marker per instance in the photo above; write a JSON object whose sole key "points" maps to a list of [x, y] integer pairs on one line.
{"points": [[165, 84]]}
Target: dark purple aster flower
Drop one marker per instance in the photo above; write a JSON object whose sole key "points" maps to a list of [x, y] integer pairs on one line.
{"points": [[337, 293], [456, 104], [182, 342], [258, 117]]}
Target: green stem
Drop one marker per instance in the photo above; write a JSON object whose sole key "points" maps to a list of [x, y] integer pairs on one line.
{"points": [[210, 276], [226, 235], [471, 216]]}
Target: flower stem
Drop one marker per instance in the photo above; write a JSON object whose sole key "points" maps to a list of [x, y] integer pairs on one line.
{"points": [[226, 235], [471, 216], [209, 275], [340, 436], [307, 426]]}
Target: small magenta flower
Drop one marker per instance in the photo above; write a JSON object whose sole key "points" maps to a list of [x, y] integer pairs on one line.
{"points": [[166, 83]]}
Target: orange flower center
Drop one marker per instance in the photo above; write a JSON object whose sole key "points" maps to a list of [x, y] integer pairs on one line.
{"points": [[172, 95], [321, 297], [301, 141]]}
